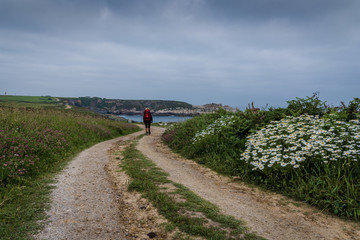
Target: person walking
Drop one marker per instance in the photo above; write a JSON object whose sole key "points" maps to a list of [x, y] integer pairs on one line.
{"points": [[147, 117]]}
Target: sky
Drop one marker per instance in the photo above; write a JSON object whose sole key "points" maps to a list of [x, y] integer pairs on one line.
{"points": [[232, 52]]}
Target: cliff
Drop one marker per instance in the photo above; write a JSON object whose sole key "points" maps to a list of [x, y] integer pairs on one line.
{"points": [[136, 107]]}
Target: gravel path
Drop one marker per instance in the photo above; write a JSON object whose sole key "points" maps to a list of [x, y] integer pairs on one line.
{"points": [[269, 215], [86, 206], [83, 201]]}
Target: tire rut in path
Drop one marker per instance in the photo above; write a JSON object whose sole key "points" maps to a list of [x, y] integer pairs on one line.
{"points": [[269, 215], [83, 201]]}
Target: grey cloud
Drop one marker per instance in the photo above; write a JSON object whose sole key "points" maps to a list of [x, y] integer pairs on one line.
{"points": [[200, 51]]}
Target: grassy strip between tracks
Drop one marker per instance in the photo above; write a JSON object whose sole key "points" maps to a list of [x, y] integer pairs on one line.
{"points": [[184, 210]]}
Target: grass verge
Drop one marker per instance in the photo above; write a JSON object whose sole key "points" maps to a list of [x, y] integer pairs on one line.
{"points": [[23, 208], [36, 142], [182, 208]]}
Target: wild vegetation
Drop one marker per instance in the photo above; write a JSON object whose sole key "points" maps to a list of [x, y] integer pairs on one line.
{"points": [[308, 151], [36, 140]]}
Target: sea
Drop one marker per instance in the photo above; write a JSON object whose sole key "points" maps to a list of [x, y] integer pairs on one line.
{"points": [[139, 118]]}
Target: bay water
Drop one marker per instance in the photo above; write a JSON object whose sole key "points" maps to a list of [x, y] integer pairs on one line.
{"points": [[139, 118]]}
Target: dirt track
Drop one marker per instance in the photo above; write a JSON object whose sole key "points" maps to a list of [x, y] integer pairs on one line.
{"points": [[269, 215], [86, 204]]}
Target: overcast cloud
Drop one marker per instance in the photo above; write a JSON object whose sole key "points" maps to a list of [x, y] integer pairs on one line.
{"points": [[199, 51]]}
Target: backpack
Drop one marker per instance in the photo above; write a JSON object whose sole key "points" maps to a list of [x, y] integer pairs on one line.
{"points": [[147, 116]]}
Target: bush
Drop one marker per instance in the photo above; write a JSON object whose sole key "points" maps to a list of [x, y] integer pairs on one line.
{"points": [[352, 111], [309, 105], [218, 139], [314, 158], [290, 141]]}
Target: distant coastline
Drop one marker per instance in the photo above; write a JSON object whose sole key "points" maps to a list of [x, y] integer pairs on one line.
{"points": [[162, 113], [136, 107]]}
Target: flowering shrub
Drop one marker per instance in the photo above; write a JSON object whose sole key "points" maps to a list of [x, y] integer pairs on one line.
{"points": [[217, 126], [289, 142]]}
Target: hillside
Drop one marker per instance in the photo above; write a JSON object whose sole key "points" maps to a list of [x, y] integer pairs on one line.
{"points": [[136, 107]]}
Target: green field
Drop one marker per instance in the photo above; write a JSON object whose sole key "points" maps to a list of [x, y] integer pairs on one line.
{"points": [[28, 99]]}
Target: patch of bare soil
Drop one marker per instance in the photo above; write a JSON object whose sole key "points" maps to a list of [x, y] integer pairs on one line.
{"points": [[270, 215]]}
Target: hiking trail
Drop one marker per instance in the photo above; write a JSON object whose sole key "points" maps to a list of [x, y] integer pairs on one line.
{"points": [[269, 215], [90, 200]]}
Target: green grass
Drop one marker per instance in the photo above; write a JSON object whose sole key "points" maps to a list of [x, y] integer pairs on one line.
{"points": [[23, 208], [182, 208], [37, 141], [28, 99]]}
